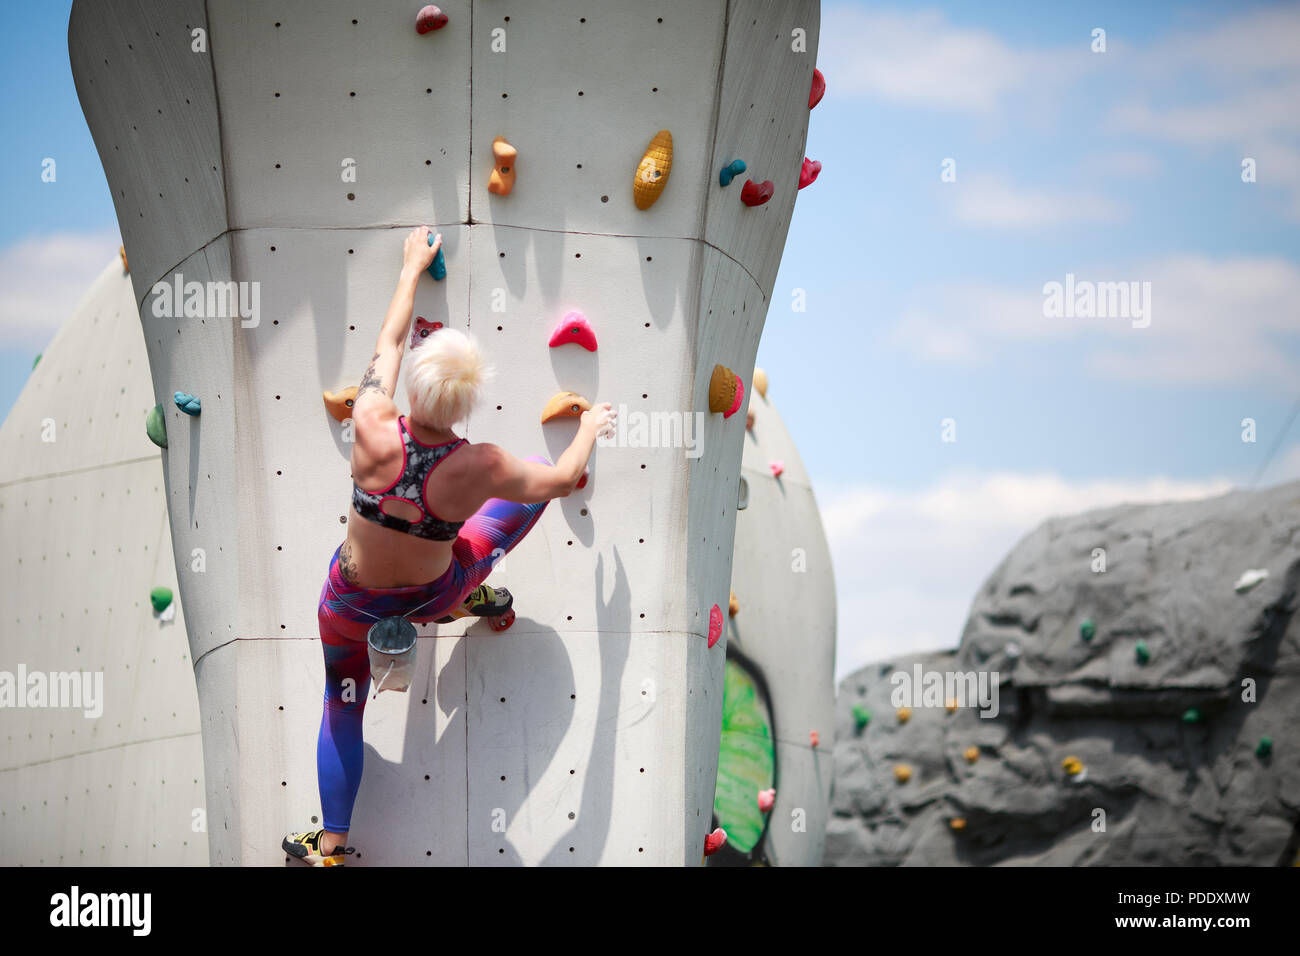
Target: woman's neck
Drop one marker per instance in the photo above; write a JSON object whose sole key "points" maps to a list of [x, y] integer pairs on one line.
{"points": [[430, 436]]}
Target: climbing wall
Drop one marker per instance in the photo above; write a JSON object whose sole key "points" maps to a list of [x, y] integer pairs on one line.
{"points": [[82, 505], [782, 639], [290, 145]]}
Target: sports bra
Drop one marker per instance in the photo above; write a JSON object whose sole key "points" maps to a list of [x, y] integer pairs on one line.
{"points": [[418, 462]]}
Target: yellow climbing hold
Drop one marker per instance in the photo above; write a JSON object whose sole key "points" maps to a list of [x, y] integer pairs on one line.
{"points": [[957, 823], [565, 405], [733, 606], [1072, 765], [760, 382], [902, 773], [950, 704], [502, 179], [652, 172], [726, 392], [339, 404], [971, 754], [904, 714], [121, 251]]}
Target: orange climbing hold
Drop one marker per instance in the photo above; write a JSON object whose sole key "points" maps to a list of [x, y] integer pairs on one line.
{"points": [[1072, 766], [904, 714], [902, 773], [652, 172], [502, 179], [726, 391], [971, 754], [339, 404], [957, 823], [565, 405], [950, 704], [714, 841], [733, 607], [121, 251], [818, 89]]}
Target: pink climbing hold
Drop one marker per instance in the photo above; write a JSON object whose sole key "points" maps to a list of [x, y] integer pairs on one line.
{"points": [[755, 194], [818, 88], [808, 174], [778, 468], [814, 737], [714, 841], [429, 18], [582, 482], [574, 328], [715, 625], [738, 400], [766, 798]]}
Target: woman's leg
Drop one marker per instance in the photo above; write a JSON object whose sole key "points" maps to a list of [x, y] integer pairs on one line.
{"points": [[492, 532]]}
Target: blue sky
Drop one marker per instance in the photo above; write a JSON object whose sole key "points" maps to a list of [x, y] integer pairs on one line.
{"points": [[924, 298]]}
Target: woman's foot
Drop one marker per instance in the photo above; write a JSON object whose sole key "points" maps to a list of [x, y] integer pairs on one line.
{"points": [[308, 848]]}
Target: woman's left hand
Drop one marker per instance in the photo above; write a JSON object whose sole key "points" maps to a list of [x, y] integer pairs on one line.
{"points": [[417, 254]]}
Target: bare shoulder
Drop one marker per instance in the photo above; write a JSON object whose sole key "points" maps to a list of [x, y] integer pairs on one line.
{"points": [[378, 441]]}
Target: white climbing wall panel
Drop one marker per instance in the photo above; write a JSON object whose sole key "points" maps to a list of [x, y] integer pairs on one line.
{"points": [[588, 733], [85, 518], [786, 627]]}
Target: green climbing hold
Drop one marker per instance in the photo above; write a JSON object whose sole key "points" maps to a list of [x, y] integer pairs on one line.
{"points": [[861, 716], [1143, 655], [156, 426], [1265, 747], [1087, 630], [36, 360], [160, 598], [1191, 716]]}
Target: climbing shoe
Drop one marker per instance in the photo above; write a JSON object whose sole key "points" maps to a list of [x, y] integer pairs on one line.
{"points": [[483, 601], [306, 847]]}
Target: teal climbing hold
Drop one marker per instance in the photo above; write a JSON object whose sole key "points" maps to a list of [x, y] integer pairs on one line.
{"points": [[861, 716], [1191, 716], [438, 267], [1140, 651], [187, 403], [1087, 630], [155, 426], [730, 171], [1265, 747], [160, 598], [36, 360]]}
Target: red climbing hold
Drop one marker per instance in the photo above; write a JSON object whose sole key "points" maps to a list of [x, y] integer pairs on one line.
{"points": [[429, 18], [714, 841], [422, 329], [766, 798], [808, 174], [814, 738], [715, 625], [574, 328], [778, 468], [582, 482], [755, 194], [818, 88]]}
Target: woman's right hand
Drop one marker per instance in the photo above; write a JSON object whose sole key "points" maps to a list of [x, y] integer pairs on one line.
{"points": [[601, 419]]}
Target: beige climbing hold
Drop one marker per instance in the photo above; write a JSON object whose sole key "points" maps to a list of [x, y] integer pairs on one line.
{"points": [[652, 172], [339, 404], [971, 754], [565, 405], [1072, 765], [121, 251], [902, 773], [760, 382], [502, 179], [957, 823], [904, 714], [734, 606], [726, 391]]}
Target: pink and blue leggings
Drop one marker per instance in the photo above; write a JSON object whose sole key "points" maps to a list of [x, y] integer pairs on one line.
{"points": [[346, 613]]}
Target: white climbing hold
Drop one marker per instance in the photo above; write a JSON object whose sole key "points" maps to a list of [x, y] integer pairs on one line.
{"points": [[1249, 579]]}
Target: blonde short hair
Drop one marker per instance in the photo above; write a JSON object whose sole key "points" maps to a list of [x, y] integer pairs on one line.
{"points": [[444, 378]]}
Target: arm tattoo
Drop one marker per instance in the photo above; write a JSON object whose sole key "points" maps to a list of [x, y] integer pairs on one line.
{"points": [[370, 381]]}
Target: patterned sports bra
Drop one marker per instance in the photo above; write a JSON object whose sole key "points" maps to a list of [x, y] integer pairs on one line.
{"points": [[418, 462]]}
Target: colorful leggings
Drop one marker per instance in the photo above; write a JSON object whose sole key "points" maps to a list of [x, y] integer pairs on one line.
{"points": [[346, 613]]}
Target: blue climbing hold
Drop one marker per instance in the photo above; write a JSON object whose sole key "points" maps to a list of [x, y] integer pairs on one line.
{"points": [[736, 167], [438, 267], [187, 403]]}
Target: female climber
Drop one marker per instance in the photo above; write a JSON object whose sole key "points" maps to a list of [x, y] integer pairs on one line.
{"points": [[431, 513]]}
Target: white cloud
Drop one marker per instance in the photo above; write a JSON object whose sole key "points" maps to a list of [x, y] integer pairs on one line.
{"points": [[1213, 321], [43, 278], [1122, 164], [908, 563], [988, 201]]}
